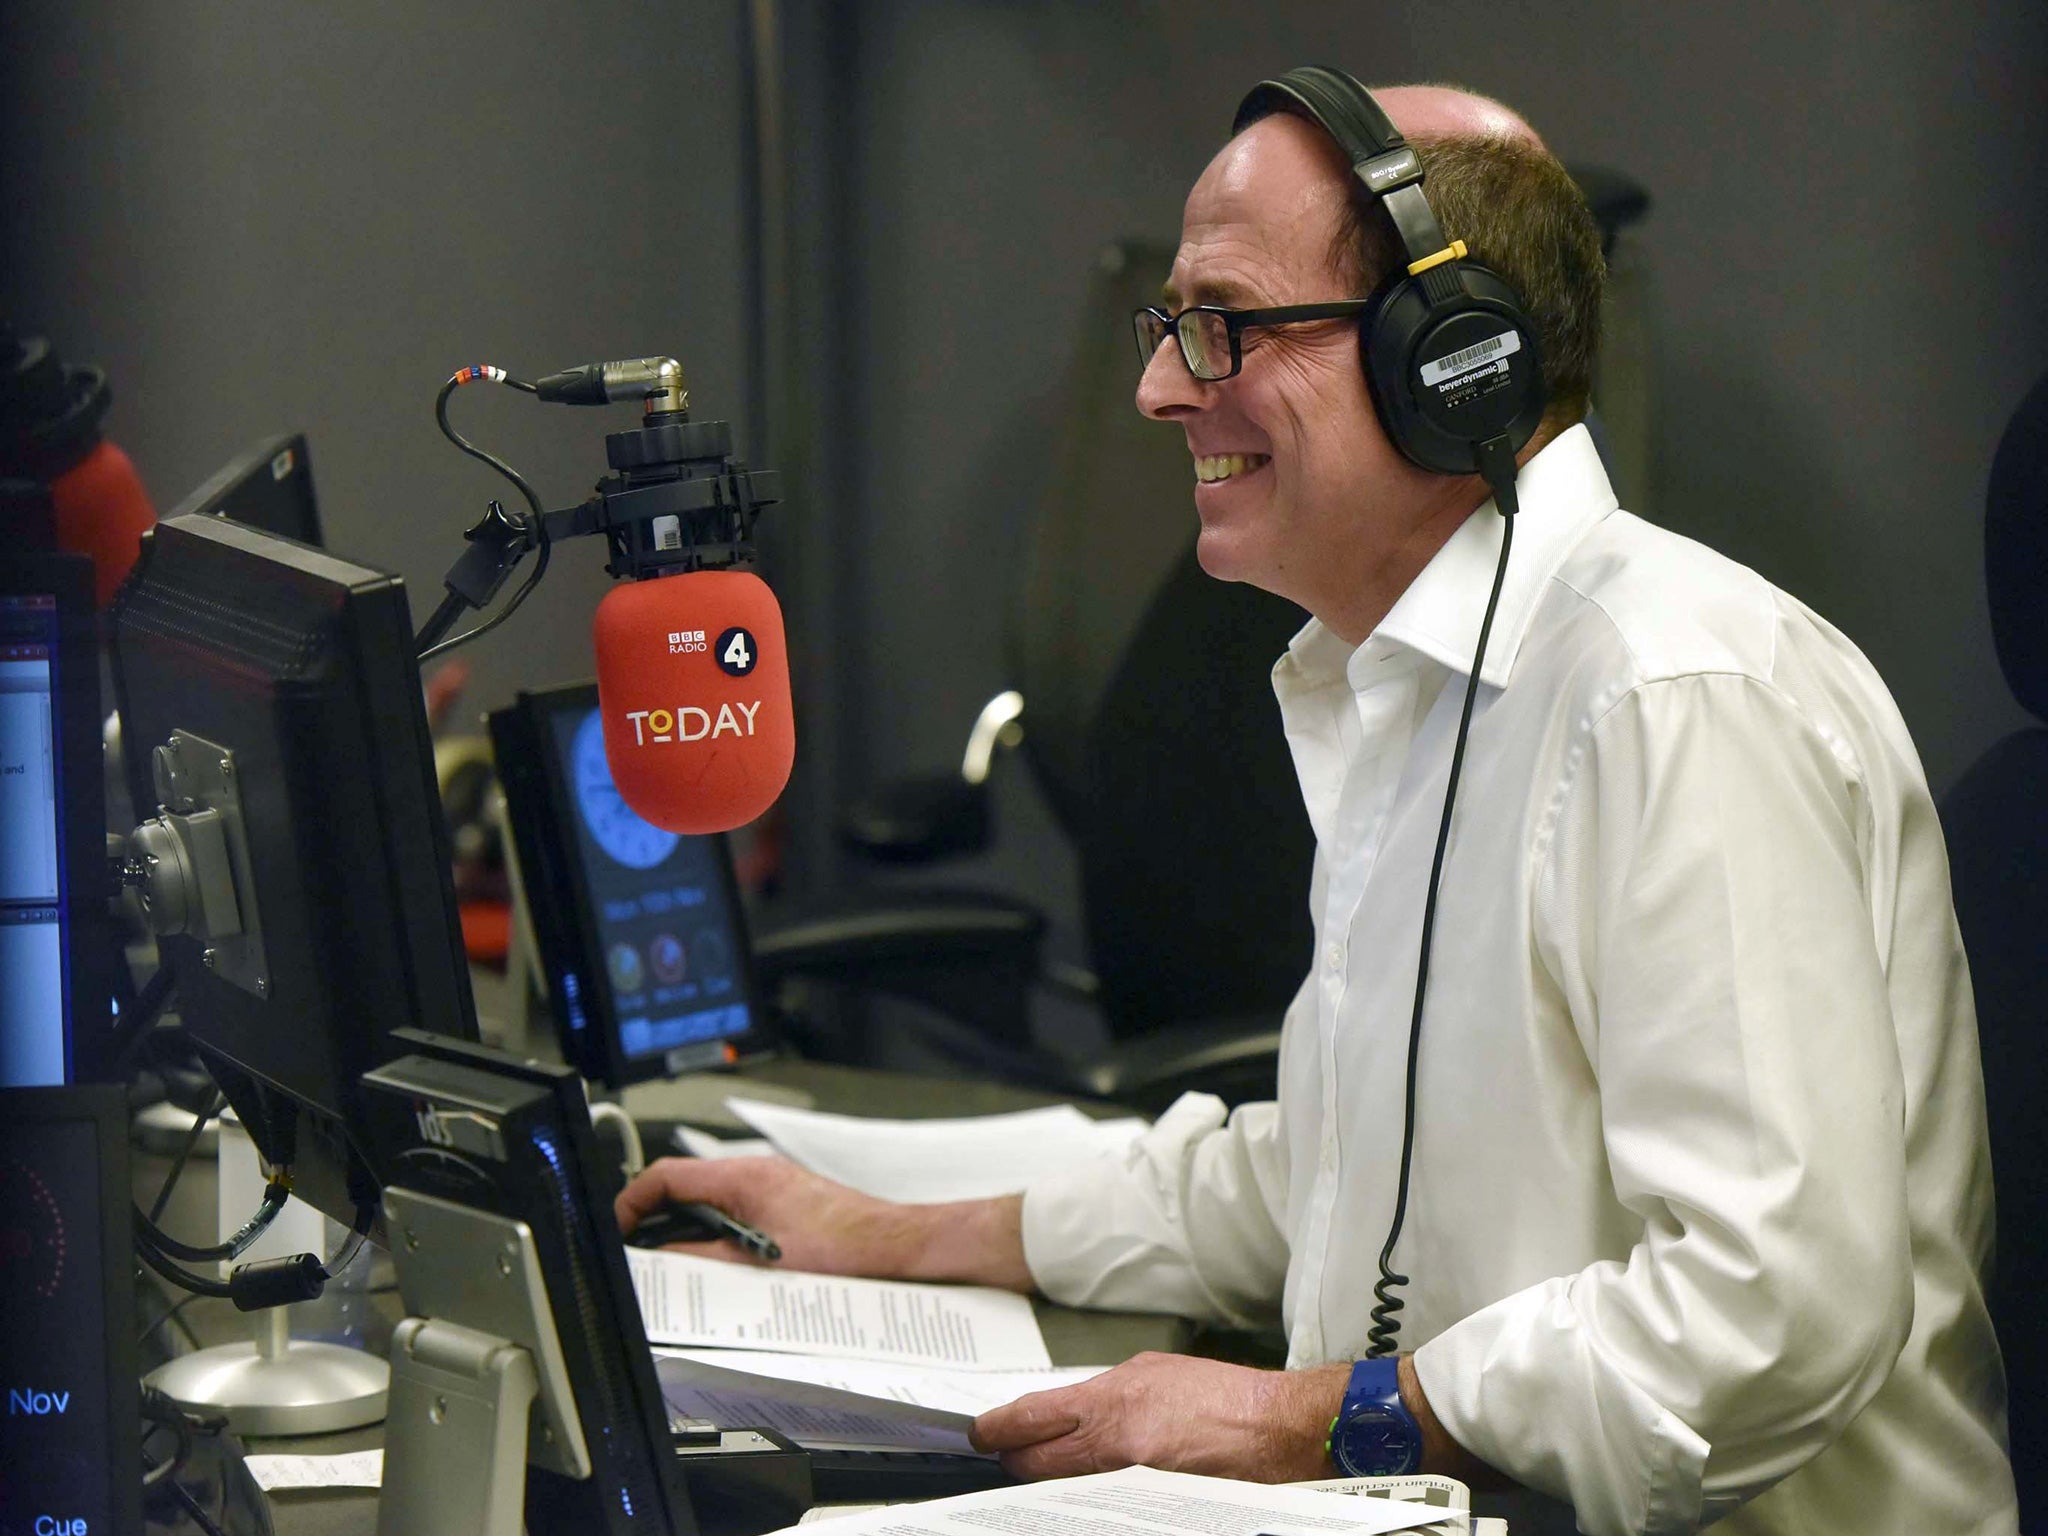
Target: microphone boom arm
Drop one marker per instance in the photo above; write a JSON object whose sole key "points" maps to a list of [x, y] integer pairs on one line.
{"points": [[677, 500]]}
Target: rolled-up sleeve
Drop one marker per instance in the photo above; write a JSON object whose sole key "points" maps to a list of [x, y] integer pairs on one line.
{"points": [[1705, 920], [1186, 1221]]}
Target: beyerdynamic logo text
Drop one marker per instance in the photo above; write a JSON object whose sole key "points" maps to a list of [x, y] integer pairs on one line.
{"points": [[689, 723]]}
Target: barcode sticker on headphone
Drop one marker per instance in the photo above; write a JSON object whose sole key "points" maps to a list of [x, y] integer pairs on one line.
{"points": [[1466, 359]]}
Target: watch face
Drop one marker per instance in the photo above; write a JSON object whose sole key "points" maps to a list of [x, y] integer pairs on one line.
{"points": [[619, 829], [1376, 1442]]}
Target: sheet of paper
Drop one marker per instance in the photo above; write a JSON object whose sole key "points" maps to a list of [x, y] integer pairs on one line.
{"points": [[698, 1302], [1418, 1487], [703, 1144], [818, 1512], [356, 1469], [923, 1161], [969, 1392], [1138, 1501], [816, 1417]]}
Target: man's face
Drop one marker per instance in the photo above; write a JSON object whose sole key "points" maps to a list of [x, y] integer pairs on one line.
{"points": [[1297, 487]]}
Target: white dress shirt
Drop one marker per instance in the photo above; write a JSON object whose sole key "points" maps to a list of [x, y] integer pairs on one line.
{"points": [[1700, 1196]]}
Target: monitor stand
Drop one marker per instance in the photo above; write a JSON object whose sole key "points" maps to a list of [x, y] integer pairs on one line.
{"points": [[278, 1385]]}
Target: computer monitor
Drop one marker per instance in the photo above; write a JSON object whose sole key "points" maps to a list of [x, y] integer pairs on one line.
{"points": [[490, 1167], [270, 486], [70, 1439], [55, 954], [640, 931], [272, 714]]}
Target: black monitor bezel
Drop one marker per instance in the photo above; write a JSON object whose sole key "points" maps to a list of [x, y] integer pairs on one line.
{"points": [[540, 808], [599, 1325], [106, 1107], [221, 493], [267, 1083], [75, 694]]}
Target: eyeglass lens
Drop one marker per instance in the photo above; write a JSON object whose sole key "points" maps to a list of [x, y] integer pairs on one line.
{"points": [[1204, 340]]}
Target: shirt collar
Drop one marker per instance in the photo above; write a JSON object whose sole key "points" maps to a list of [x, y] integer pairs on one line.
{"points": [[1562, 492]]}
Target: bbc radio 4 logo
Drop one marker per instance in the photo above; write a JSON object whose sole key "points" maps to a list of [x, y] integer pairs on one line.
{"points": [[737, 655], [734, 649]]}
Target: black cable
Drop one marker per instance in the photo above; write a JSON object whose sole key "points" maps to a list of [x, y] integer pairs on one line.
{"points": [[539, 525], [542, 548], [184, 1280], [163, 1195], [499, 376], [159, 1409], [359, 1234], [206, 1521], [1385, 1323], [275, 1194]]}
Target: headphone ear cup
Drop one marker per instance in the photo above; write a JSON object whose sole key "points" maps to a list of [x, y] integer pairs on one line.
{"points": [[1448, 373]]}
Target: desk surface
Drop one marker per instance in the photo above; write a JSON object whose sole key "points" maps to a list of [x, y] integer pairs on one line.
{"points": [[1071, 1337]]}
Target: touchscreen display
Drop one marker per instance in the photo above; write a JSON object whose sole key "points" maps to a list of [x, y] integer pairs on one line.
{"points": [[667, 935]]}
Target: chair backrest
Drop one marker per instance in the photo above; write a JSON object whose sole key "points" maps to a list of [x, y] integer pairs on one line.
{"points": [[1149, 714], [1116, 513], [1996, 822]]}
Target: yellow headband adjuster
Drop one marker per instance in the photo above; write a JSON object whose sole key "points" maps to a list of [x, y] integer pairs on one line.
{"points": [[1455, 251]]}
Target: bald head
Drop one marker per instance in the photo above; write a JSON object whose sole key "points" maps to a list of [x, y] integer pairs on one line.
{"points": [[1446, 112], [1491, 182]]}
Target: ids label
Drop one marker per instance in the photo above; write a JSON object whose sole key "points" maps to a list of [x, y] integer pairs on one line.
{"points": [[1444, 370]]}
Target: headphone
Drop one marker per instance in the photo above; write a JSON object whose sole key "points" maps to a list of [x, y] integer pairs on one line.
{"points": [[1451, 358], [1457, 381]]}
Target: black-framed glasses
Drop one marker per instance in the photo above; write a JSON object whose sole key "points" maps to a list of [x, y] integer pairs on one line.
{"points": [[1212, 338]]}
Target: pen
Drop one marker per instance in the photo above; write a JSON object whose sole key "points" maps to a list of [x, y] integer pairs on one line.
{"points": [[695, 1213]]}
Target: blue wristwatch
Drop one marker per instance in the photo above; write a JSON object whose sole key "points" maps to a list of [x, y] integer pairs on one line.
{"points": [[1373, 1435]]}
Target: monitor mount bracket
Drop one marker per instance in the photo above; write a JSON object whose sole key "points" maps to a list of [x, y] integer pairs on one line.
{"points": [[479, 1386], [190, 864]]}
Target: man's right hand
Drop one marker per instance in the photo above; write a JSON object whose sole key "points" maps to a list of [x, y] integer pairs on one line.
{"points": [[827, 1228]]}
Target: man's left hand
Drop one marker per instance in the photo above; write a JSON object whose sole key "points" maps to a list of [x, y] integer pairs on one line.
{"points": [[1177, 1413]]}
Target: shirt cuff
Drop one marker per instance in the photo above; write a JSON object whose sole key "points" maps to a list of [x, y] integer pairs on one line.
{"points": [[1113, 1233], [1525, 1388]]}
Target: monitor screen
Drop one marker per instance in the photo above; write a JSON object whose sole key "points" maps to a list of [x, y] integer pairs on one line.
{"points": [[269, 486], [640, 929], [69, 1431], [481, 1130], [54, 996], [272, 714]]}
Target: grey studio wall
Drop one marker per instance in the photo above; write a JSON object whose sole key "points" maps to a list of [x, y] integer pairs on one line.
{"points": [[269, 216], [1845, 261]]}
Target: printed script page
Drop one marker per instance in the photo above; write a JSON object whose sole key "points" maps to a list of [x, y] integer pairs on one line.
{"points": [[1139, 1501], [688, 1301]]}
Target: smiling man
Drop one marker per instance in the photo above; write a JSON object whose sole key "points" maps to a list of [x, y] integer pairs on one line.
{"points": [[1694, 1216]]}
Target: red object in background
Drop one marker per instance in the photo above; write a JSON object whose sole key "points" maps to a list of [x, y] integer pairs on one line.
{"points": [[486, 930], [102, 511], [50, 437], [693, 689]]}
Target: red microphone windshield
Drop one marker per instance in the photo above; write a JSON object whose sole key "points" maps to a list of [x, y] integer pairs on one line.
{"points": [[693, 689]]}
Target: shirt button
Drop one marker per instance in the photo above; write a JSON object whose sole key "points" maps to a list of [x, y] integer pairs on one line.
{"points": [[1333, 956]]}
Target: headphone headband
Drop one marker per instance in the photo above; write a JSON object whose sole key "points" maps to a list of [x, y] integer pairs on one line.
{"points": [[1332, 98], [1453, 360], [1381, 159]]}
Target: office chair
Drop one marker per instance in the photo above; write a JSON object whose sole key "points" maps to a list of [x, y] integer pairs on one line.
{"points": [[1144, 711], [1996, 822]]}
